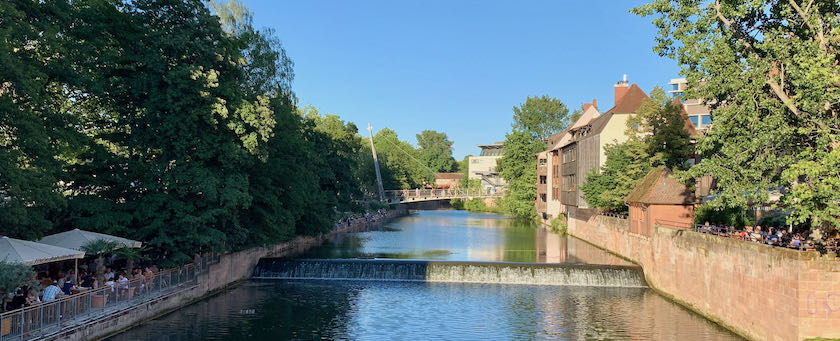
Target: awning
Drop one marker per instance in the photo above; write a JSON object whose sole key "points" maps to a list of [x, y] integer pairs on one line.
{"points": [[76, 239], [32, 253]]}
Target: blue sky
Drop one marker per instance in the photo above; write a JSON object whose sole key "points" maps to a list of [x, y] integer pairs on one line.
{"points": [[459, 66]]}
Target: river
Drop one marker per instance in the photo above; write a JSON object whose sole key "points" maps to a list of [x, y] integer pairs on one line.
{"points": [[283, 309]]}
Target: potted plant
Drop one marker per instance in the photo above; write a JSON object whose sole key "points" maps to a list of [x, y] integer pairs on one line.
{"points": [[13, 276]]}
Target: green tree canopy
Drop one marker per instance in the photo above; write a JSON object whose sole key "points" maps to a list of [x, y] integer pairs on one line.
{"points": [[436, 151], [518, 167], [541, 116], [401, 163], [771, 71]]}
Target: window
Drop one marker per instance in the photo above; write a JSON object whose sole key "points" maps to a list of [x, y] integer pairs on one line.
{"points": [[705, 120], [543, 162], [543, 180], [675, 86], [542, 198], [695, 120]]}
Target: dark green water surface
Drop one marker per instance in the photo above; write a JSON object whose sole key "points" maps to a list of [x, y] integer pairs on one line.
{"points": [[374, 310]]}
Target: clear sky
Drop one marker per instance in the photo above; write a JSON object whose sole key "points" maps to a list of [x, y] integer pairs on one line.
{"points": [[459, 66]]}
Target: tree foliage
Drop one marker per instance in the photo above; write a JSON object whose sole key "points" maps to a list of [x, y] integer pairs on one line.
{"points": [[771, 71], [15, 275], [541, 116], [402, 166], [166, 122], [436, 151], [533, 122], [518, 167]]}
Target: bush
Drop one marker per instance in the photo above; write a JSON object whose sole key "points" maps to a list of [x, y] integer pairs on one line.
{"points": [[13, 276], [457, 204], [737, 217], [775, 220], [558, 224]]}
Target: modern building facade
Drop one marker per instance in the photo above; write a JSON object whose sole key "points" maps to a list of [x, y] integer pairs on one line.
{"points": [[698, 112], [483, 167]]}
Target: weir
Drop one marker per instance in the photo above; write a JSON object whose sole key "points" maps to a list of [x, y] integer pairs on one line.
{"points": [[451, 271]]}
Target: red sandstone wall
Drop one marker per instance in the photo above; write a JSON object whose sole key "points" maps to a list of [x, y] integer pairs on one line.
{"points": [[763, 292]]}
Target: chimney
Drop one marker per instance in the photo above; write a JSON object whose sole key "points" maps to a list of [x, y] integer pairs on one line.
{"points": [[621, 89], [586, 106]]}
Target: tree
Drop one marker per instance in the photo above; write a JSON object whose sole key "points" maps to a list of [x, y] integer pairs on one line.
{"points": [[518, 167], [13, 276], [771, 72], [627, 163], [100, 248], [533, 122], [575, 115], [400, 163], [660, 126], [33, 129], [436, 151], [541, 116]]}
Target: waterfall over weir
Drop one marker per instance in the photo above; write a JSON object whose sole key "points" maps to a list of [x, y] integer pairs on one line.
{"points": [[451, 271]]}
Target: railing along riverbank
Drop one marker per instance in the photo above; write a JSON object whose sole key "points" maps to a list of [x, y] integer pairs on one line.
{"points": [[50, 317], [411, 195]]}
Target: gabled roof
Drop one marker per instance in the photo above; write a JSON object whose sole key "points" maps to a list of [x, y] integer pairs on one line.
{"points": [[658, 188], [630, 102], [588, 115]]}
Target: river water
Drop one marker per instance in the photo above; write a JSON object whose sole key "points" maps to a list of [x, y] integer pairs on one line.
{"points": [[394, 310]]}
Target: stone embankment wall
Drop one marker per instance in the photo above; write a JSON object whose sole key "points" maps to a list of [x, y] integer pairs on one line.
{"points": [[232, 267], [759, 291]]}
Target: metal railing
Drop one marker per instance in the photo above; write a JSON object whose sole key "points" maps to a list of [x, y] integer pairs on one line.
{"points": [[408, 195], [73, 310]]}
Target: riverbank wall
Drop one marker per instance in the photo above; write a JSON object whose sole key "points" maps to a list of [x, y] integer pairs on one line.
{"points": [[231, 268], [759, 291]]}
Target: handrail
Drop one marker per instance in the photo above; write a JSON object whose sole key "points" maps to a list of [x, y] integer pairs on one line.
{"points": [[414, 194], [47, 317]]}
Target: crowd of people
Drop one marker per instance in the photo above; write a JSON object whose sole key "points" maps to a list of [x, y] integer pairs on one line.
{"points": [[62, 284], [361, 219], [773, 236]]}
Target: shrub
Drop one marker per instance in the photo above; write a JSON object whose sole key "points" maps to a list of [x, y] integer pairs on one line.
{"points": [[558, 224]]}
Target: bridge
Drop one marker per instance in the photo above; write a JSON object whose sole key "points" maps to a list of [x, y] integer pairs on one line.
{"points": [[417, 195]]}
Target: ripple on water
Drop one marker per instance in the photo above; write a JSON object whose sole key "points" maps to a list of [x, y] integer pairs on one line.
{"points": [[411, 310]]}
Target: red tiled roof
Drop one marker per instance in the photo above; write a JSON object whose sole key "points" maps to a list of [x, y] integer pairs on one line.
{"points": [[449, 176], [631, 101], [657, 187]]}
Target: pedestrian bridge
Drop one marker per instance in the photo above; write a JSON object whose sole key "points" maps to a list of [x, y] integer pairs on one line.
{"points": [[399, 196]]}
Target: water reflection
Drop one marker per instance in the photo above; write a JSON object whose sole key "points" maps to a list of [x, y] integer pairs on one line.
{"points": [[428, 311], [461, 235]]}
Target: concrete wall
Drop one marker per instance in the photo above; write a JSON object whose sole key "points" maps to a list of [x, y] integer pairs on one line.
{"points": [[759, 291], [232, 267]]}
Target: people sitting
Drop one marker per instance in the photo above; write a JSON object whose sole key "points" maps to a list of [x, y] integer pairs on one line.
{"points": [[51, 292]]}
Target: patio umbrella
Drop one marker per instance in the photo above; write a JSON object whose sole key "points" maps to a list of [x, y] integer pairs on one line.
{"points": [[76, 239], [32, 253]]}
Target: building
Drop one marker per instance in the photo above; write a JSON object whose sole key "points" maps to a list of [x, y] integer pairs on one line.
{"points": [[483, 167], [579, 150], [660, 199], [698, 112], [448, 180]]}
